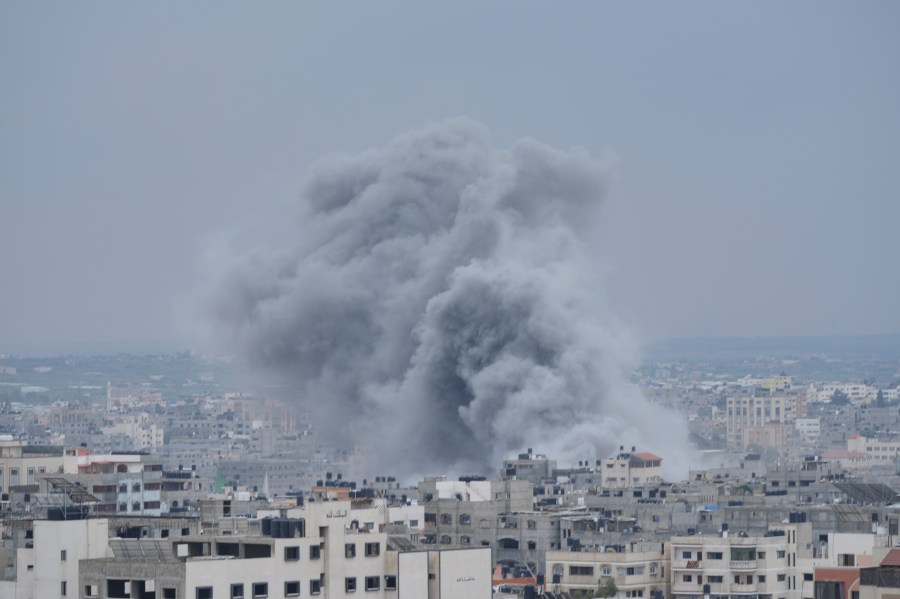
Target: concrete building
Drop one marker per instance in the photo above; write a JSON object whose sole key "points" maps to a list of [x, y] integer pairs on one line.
{"points": [[21, 464], [534, 468], [631, 469], [47, 567], [319, 549], [733, 565], [639, 569]]}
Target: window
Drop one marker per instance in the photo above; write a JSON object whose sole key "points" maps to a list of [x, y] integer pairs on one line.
{"points": [[445, 539], [350, 584], [712, 579], [237, 591], [373, 549], [465, 519], [780, 554], [807, 576], [350, 550], [781, 577], [760, 555], [291, 554], [390, 582], [62, 588], [465, 540], [713, 555], [204, 593], [685, 555], [761, 578], [581, 570], [606, 570], [373, 583], [292, 588], [91, 590], [62, 555], [531, 545], [531, 524], [446, 518], [136, 488], [315, 586], [260, 589], [687, 578], [414, 524], [315, 552]]}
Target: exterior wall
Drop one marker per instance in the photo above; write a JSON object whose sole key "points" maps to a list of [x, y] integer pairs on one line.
{"points": [[20, 467], [636, 574], [54, 557], [412, 575], [465, 573], [738, 565]]}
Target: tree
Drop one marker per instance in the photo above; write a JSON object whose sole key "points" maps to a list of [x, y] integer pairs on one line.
{"points": [[879, 399], [839, 398], [606, 587]]}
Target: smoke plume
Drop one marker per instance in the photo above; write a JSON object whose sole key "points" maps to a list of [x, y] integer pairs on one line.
{"points": [[440, 307]]}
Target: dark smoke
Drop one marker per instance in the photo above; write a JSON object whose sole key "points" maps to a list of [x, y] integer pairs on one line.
{"points": [[441, 307]]}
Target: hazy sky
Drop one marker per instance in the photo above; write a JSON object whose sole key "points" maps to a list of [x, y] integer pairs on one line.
{"points": [[757, 144]]}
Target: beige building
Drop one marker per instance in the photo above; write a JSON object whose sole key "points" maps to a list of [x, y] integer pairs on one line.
{"points": [[639, 571], [740, 565], [748, 412], [22, 464], [630, 469]]}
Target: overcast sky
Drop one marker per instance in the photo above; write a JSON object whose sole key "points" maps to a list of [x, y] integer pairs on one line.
{"points": [[757, 145]]}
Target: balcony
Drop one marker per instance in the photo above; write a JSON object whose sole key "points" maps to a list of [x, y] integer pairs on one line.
{"points": [[740, 589], [749, 564], [687, 587], [686, 564]]}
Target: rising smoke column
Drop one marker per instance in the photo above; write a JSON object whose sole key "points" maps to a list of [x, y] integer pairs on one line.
{"points": [[440, 306]]}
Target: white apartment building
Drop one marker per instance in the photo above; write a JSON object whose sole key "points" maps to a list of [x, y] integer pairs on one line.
{"points": [[639, 571], [322, 549], [48, 567], [732, 566]]}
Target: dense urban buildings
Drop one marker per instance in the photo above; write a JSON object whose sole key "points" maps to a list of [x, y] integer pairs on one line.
{"points": [[178, 483]]}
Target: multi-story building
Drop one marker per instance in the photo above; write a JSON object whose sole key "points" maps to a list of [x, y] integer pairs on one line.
{"points": [[638, 569], [127, 483], [631, 469], [740, 565], [21, 464], [318, 549], [755, 412], [534, 468], [47, 565]]}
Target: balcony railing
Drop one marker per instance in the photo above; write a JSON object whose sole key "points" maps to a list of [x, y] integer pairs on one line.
{"points": [[743, 588], [686, 587], [749, 564]]}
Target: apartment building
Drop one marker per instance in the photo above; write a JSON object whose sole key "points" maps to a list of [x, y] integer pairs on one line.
{"points": [[745, 412], [631, 469], [637, 568], [46, 564], [739, 564], [22, 464], [317, 550]]}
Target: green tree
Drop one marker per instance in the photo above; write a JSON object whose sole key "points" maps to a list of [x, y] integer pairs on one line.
{"points": [[606, 587], [879, 399], [839, 398]]}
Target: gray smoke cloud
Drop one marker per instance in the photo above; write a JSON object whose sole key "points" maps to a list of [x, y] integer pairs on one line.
{"points": [[440, 306]]}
